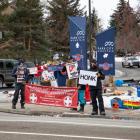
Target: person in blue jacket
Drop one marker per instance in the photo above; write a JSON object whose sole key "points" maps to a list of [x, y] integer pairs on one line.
{"points": [[20, 72]]}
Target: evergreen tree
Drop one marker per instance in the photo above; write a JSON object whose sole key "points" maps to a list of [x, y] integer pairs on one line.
{"points": [[57, 21], [125, 21], [26, 22], [3, 5]]}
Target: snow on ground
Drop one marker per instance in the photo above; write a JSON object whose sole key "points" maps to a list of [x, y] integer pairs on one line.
{"points": [[118, 59], [6, 96]]}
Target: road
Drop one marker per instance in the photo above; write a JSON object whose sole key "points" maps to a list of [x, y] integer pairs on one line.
{"points": [[127, 73], [19, 127]]}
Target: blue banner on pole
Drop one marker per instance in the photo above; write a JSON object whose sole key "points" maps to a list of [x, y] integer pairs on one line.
{"points": [[78, 41], [105, 45]]}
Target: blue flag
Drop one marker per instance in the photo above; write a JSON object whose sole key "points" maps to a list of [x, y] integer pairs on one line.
{"points": [[105, 45], [78, 41]]}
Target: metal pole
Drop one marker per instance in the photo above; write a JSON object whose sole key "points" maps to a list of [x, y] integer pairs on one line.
{"points": [[90, 57]]}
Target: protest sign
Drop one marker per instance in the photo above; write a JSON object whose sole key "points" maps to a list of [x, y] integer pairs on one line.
{"points": [[72, 70], [52, 96], [48, 76], [33, 70], [88, 77]]}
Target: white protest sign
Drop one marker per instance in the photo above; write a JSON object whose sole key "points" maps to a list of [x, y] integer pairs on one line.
{"points": [[54, 83], [88, 77], [48, 75], [72, 70], [33, 70]]}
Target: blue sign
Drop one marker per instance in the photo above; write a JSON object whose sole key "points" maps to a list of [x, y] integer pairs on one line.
{"points": [[105, 45], [78, 41], [55, 68]]}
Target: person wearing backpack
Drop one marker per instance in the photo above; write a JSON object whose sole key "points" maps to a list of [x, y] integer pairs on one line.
{"points": [[20, 72]]}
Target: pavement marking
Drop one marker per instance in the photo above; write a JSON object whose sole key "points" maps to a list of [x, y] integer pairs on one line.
{"points": [[75, 123], [58, 135]]}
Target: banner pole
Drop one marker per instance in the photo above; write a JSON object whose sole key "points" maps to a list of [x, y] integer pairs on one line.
{"points": [[90, 57]]}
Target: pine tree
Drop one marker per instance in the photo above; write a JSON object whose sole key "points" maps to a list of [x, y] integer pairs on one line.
{"points": [[125, 21], [26, 22], [57, 21], [3, 5]]}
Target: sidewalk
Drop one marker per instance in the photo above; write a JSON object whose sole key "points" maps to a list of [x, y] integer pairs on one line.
{"points": [[38, 110]]}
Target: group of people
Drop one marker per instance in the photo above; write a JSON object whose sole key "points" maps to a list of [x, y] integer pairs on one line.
{"points": [[21, 77]]}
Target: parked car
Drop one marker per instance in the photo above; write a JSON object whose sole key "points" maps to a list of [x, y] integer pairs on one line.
{"points": [[130, 61], [6, 67]]}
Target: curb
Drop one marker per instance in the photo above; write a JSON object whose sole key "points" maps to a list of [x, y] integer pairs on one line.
{"points": [[65, 114]]}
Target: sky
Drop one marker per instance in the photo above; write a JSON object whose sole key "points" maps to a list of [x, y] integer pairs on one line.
{"points": [[105, 8]]}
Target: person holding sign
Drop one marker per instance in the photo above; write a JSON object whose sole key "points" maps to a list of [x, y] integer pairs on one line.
{"points": [[96, 91], [21, 74]]}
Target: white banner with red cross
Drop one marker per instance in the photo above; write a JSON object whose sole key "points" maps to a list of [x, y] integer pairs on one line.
{"points": [[52, 96]]}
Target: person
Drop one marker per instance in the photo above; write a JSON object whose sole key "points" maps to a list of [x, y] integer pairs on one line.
{"points": [[81, 97], [37, 76], [20, 72], [61, 76], [96, 91]]}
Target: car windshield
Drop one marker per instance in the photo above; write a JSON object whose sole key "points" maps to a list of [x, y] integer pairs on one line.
{"points": [[30, 64]]}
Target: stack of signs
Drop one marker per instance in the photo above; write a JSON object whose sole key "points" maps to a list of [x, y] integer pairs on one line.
{"points": [[88, 78], [72, 70]]}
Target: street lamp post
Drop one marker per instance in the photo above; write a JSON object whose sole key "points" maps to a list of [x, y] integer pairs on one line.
{"points": [[90, 57]]}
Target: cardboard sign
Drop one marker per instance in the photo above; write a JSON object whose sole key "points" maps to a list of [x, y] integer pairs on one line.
{"points": [[52, 96], [88, 77], [72, 70]]}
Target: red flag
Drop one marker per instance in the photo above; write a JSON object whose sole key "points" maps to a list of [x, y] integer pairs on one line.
{"points": [[87, 94]]}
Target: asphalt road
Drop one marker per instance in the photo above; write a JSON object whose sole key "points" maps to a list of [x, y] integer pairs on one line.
{"points": [[128, 73], [19, 127]]}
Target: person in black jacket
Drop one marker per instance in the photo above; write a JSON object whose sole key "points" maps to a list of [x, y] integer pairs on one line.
{"points": [[20, 72], [96, 91]]}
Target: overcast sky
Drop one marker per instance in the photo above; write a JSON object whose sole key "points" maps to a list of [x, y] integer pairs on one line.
{"points": [[105, 8]]}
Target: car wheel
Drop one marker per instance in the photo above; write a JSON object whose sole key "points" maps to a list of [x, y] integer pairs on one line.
{"points": [[130, 65], [9, 85], [1, 82], [123, 65]]}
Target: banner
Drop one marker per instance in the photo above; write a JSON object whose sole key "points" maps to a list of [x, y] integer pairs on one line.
{"points": [[55, 68], [78, 41], [52, 96], [88, 77], [105, 42], [72, 70]]}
